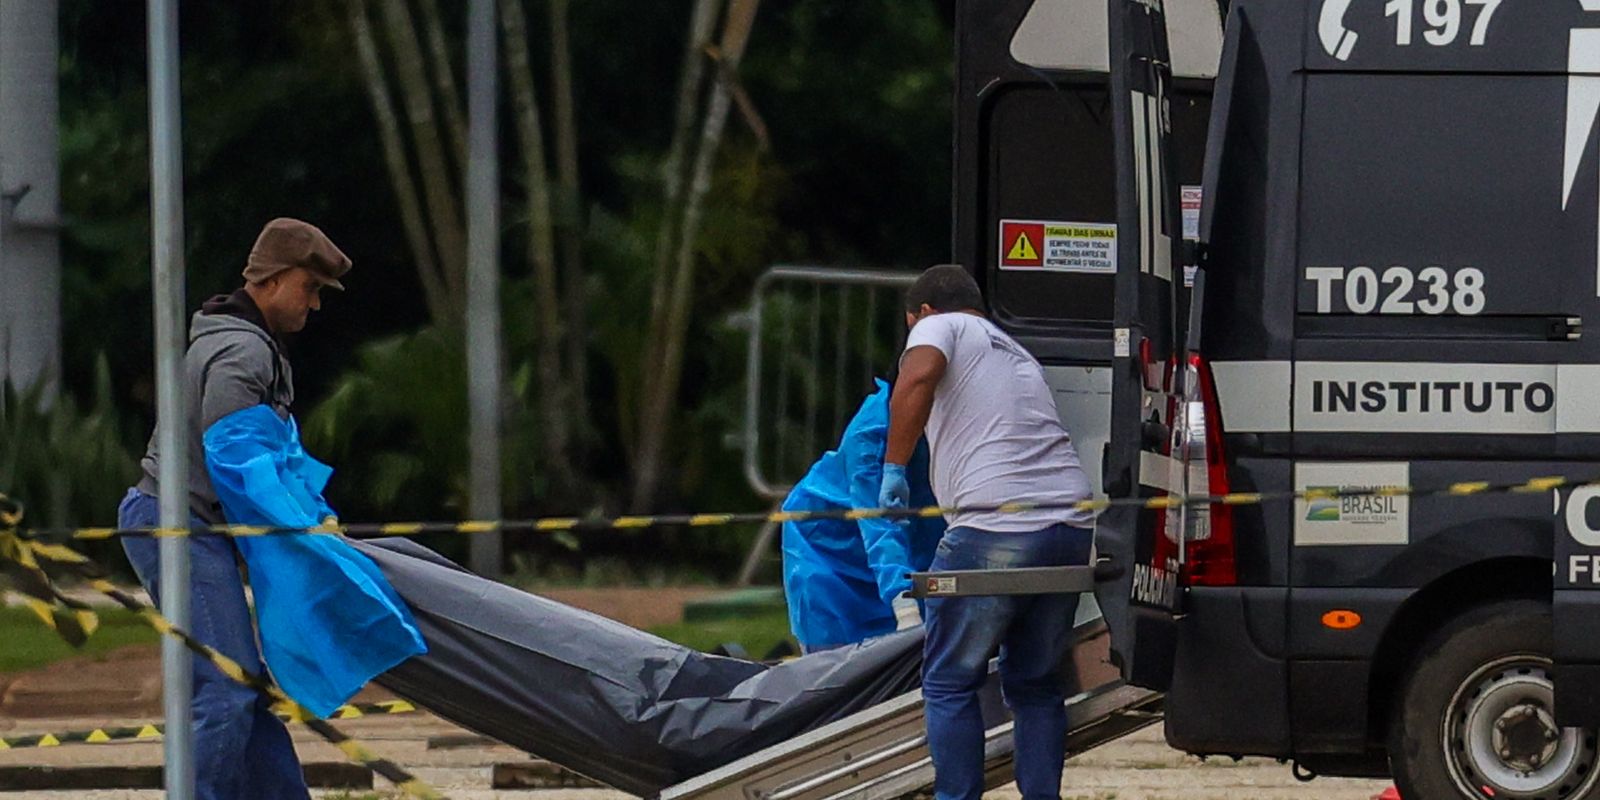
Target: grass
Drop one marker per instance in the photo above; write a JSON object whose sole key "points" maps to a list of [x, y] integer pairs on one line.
{"points": [[29, 643], [757, 633]]}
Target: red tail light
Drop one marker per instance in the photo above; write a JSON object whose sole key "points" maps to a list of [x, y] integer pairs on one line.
{"points": [[1208, 530]]}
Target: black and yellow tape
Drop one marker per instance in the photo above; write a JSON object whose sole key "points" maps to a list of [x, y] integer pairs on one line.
{"points": [[571, 524], [155, 731], [13, 546], [73, 620], [20, 554], [355, 710], [151, 733]]}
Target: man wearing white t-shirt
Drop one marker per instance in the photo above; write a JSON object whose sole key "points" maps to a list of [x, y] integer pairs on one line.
{"points": [[995, 438]]}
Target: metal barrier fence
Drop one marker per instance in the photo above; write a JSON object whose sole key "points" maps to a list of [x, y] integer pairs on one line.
{"points": [[830, 331]]}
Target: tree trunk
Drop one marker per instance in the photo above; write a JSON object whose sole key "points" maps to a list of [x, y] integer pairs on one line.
{"points": [[701, 28], [444, 207], [668, 370], [554, 392], [444, 81], [441, 308], [570, 211]]}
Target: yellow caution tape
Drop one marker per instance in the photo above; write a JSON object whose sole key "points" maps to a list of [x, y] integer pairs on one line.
{"points": [[23, 555], [705, 520], [154, 732]]}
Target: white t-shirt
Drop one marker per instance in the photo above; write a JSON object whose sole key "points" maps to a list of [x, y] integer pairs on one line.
{"points": [[994, 434]]}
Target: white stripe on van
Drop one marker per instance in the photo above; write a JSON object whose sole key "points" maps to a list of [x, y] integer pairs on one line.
{"points": [[1158, 182], [1160, 472], [1407, 397], [1141, 173], [1074, 36], [1578, 398], [1254, 395]]}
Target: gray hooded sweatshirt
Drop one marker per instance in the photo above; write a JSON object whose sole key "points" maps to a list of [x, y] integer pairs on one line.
{"points": [[232, 363]]}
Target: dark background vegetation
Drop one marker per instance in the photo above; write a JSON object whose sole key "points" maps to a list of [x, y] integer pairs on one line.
{"points": [[277, 121]]}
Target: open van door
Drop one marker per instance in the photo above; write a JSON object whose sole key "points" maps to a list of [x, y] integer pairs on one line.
{"points": [[1048, 213], [1139, 564]]}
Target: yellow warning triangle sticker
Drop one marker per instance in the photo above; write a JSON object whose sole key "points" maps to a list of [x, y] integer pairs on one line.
{"points": [[1022, 249], [149, 732], [49, 741], [97, 736]]}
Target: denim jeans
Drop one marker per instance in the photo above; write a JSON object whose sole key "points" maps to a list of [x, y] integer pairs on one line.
{"points": [[1032, 634], [241, 749]]}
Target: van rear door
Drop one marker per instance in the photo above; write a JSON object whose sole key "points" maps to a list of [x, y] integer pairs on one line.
{"points": [[1140, 565], [1048, 213]]}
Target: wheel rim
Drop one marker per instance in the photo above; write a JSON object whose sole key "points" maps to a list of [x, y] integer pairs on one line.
{"points": [[1501, 740]]}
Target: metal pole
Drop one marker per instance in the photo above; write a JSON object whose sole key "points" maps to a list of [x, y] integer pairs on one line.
{"points": [[166, 264], [483, 283]]}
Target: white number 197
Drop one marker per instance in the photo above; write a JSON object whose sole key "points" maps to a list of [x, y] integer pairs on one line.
{"points": [[1443, 18]]}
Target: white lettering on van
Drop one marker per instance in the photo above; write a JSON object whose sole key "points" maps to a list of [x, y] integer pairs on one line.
{"points": [[1398, 290], [1581, 566], [1426, 397], [1155, 586], [1578, 516], [1422, 397]]}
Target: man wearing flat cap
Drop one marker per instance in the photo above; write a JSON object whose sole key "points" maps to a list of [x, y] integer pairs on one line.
{"points": [[235, 361]]}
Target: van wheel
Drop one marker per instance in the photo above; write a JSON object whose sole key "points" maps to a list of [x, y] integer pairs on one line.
{"points": [[1474, 719]]}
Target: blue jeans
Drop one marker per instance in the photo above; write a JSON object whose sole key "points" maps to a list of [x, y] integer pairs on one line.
{"points": [[1032, 633], [241, 749]]}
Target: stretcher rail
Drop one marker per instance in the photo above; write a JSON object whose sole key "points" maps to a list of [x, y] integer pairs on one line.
{"points": [[881, 752], [985, 582]]}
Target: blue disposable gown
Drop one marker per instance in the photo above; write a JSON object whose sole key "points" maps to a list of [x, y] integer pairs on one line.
{"points": [[329, 620], [840, 576]]}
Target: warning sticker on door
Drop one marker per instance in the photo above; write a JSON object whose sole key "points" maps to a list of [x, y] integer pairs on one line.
{"points": [[1193, 197], [1058, 246]]}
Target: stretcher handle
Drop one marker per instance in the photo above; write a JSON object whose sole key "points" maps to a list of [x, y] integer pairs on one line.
{"points": [[989, 582]]}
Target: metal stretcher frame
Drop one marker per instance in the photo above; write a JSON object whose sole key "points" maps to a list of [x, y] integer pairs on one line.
{"points": [[882, 752], [988, 582]]}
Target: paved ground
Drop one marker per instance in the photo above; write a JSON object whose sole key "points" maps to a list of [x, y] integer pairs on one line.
{"points": [[1138, 768], [122, 690]]}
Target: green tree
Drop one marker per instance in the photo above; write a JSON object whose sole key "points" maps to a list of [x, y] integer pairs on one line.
{"points": [[281, 118]]}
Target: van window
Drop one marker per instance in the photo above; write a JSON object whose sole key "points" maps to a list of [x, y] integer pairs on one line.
{"points": [[1052, 161]]}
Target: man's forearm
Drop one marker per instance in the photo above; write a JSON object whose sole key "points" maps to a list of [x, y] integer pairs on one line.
{"points": [[909, 407]]}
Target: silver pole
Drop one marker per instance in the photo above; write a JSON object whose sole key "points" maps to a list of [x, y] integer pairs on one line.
{"points": [[166, 264], [483, 283]]}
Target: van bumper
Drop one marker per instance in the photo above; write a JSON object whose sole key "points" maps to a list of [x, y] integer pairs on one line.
{"points": [[1230, 686]]}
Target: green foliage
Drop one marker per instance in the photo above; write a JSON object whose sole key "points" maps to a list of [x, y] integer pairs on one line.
{"points": [[536, 571], [758, 634], [855, 93], [392, 426], [69, 465], [30, 644]]}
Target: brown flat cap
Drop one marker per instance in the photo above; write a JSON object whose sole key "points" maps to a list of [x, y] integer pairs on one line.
{"points": [[287, 243]]}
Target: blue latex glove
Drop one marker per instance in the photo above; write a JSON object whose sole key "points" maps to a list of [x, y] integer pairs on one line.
{"points": [[894, 492]]}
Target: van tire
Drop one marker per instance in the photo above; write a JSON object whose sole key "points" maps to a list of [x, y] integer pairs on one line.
{"points": [[1462, 678]]}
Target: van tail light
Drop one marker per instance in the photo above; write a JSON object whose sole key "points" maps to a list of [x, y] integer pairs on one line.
{"points": [[1156, 375], [1208, 529]]}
